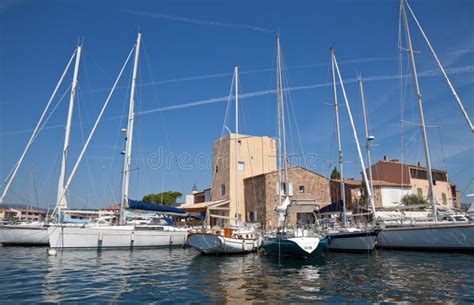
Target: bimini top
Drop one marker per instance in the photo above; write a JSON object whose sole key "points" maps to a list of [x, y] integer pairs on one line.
{"points": [[146, 206]]}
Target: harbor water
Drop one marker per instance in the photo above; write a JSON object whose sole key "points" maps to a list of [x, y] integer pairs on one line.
{"points": [[169, 276]]}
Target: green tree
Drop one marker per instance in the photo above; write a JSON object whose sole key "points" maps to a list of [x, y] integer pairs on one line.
{"points": [[165, 198], [335, 174], [413, 200]]}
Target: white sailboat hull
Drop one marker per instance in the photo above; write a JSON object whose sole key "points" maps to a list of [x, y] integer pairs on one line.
{"points": [[357, 241], [100, 237], [24, 235], [214, 244], [432, 237]]}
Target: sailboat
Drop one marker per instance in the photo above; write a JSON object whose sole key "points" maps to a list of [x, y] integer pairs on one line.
{"points": [[347, 237], [36, 234], [432, 235], [238, 238], [300, 243], [105, 235]]}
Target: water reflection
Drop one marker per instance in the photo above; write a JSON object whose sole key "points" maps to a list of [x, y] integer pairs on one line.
{"points": [[184, 276]]}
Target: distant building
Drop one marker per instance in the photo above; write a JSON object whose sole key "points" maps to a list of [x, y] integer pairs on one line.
{"points": [[262, 194], [26, 215], [413, 179], [256, 155]]}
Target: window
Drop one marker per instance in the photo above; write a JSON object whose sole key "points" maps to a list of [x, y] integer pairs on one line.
{"points": [[217, 168], [440, 176], [222, 189], [282, 189], [241, 166], [420, 192], [418, 174], [252, 216], [301, 188], [445, 201]]}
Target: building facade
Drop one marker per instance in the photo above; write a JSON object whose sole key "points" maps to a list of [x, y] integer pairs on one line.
{"points": [[262, 194], [415, 177], [230, 166], [23, 215]]}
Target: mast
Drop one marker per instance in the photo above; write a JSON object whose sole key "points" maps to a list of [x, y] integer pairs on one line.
{"points": [[15, 169], [236, 76], [281, 116], [278, 120], [356, 138], [61, 200], [367, 137], [338, 137], [420, 110], [453, 91], [129, 135]]}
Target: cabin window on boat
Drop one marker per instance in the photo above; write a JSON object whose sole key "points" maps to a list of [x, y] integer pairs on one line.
{"points": [[420, 192], [241, 166], [443, 196], [222, 189]]}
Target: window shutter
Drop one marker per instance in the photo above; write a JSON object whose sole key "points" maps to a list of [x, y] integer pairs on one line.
{"points": [[277, 189], [290, 189]]}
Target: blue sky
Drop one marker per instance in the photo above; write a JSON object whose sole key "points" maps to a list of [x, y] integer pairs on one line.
{"points": [[189, 50]]}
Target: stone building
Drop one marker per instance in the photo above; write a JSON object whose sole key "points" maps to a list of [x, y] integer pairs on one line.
{"points": [[261, 194]]}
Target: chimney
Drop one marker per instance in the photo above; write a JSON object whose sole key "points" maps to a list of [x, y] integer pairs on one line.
{"points": [[385, 158], [418, 163]]}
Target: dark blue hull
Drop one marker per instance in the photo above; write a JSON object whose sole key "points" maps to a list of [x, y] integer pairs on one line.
{"points": [[285, 247]]}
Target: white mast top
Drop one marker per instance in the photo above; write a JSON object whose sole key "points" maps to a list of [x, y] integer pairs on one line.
{"points": [[11, 176], [338, 137], [356, 139], [91, 134], [367, 137], [420, 110], [453, 91], [282, 115], [61, 200], [236, 76], [282, 207], [129, 135]]}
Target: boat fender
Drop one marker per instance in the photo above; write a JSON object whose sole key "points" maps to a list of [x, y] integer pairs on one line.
{"points": [[51, 252]]}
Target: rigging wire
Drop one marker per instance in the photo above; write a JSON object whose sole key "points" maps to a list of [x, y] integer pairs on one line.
{"points": [[214, 171], [163, 125]]}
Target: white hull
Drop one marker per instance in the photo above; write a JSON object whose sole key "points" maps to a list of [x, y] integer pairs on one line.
{"points": [[345, 242], [214, 244], [100, 237], [433, 237], [23, 235]]}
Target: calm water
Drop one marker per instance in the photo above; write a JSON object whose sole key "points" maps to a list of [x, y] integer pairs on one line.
{"points": [[183, 276]]}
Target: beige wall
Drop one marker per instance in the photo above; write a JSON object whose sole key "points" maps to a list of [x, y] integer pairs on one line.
{"points": [[438, 190], [258, 155]]}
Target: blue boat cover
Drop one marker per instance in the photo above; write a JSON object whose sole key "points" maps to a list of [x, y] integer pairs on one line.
{"points": [[146, 206], [73, 220]]}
